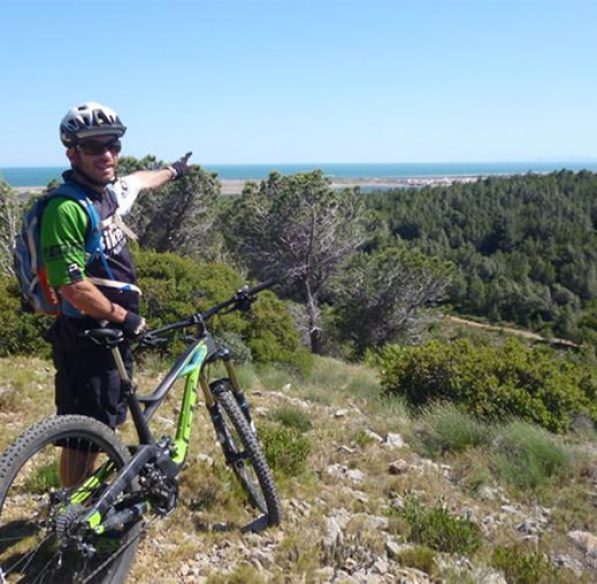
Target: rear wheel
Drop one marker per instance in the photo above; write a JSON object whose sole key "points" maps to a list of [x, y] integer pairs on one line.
{"points": [[244, 454], [40, 537]]}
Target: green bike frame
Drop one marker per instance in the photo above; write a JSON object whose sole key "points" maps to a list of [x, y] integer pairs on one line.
{"points": [[190, 367]]}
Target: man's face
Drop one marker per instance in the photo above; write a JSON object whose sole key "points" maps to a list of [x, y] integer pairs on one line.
{"points": [[96, 158]]}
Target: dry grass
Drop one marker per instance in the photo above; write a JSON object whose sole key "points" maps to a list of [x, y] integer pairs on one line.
{"points": [[342, 403]]}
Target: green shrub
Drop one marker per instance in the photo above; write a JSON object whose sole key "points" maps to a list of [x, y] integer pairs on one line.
{"points": [[175, 287], [20, 332], [533, 384], [44, 478], [420, 558], [235, 344], [444, 428], [522, 567], [292, 417], [438, 529], [286, 449], [527, 456], [271, 336]]}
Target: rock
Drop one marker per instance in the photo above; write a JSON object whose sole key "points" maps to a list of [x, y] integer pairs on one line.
{"points": [[411, 576], [398, 467], [377, 522], [342, 471], [355, 474], [510, 509], [565, 561], [487, 493], [380, 566], [530, 527], [202, 457], [345, 578], [264, 558], [487, 576], [350, 565], [341, 413], [333, 533], [394, 441], [325, 574], [393, 549], [346, 449], [586, 541], [373, 435]]}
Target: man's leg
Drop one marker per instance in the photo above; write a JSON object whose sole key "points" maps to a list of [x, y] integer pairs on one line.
{"points": [[87, 383], [76, 465]]}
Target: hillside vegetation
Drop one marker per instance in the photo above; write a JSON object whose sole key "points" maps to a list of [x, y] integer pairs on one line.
{"points": [[404, 451], [524, 247], [372, 492]]}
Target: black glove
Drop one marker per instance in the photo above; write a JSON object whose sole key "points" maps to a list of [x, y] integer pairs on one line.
{"points": [[180, 167], [133, 326]]}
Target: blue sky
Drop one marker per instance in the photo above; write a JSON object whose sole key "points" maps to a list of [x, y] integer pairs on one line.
{"points": [[259, 81]]}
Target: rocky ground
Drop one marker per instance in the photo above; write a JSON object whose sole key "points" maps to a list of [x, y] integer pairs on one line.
{"points": [[343, 515], [339, 523]]}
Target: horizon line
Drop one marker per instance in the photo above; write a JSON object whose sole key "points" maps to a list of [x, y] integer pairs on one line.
{"points": [[551, 160]]}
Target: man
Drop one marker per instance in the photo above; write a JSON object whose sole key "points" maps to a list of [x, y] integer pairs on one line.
{"points": [[96, 289]]}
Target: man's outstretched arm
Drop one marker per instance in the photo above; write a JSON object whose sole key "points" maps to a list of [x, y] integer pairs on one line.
{"points": [[153, 179]]}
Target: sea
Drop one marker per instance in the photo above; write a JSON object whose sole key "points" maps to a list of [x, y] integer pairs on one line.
{"points": [[29, 176]]}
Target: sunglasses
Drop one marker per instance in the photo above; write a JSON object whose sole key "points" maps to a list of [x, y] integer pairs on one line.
{"points": [[93, 148]]}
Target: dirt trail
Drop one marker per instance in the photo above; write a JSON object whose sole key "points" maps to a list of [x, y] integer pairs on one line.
{"points": [[511, 331]]}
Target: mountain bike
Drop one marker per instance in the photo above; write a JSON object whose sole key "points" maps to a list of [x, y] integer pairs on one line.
{"points": [[89, 531]]}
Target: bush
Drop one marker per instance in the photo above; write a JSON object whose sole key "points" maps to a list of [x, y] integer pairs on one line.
{"points": [[528, 456], [20, 332], [286, 449], [43, 478], [420, 558], [520, 567], [292, 418], [235, 344], [438, 529], [444, 428], [533, 384], [175, 287], [271, 336]]}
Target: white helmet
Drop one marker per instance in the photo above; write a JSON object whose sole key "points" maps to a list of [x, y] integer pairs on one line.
{"points": [[87, 120]]}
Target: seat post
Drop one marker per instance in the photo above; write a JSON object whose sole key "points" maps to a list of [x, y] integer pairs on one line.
{"points": [[124, 376]]}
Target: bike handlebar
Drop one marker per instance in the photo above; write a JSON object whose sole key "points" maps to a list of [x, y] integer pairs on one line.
{"points": [[241, 300]]}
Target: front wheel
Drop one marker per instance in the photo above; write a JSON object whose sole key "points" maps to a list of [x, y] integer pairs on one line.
{"points": [[40, 539], [244, 454]]}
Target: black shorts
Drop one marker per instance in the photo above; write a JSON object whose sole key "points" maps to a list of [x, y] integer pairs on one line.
{"points": [[87, 381]]}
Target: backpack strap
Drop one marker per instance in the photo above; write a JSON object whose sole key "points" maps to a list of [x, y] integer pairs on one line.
{"points": [[93, 242]]}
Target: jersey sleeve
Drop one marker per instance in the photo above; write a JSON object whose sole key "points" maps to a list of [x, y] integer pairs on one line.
{"points": [[62, 238], [126, 190]]}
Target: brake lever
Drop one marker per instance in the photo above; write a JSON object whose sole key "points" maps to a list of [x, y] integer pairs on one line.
{"points": [[149, 341]]}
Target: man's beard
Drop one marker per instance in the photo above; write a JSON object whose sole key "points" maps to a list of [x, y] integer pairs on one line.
{"points": [[93, 180]]}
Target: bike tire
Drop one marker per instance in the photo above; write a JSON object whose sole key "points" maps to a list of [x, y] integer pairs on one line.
{"points": [[244, 454], [32, 498]]}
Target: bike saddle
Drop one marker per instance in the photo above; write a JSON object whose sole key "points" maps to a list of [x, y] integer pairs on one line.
{"points": [[105, 337]]}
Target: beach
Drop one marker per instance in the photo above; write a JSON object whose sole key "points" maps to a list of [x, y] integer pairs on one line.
{"points": [[235, 186]]}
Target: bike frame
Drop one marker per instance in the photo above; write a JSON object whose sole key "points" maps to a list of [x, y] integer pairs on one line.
{"points": [[191, 367]]}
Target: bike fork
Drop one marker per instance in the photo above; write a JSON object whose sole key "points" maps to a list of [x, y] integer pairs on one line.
{"points": [[238, 393]]}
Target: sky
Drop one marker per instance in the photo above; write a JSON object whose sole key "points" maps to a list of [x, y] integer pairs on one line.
{"points": [[291, 81]]}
